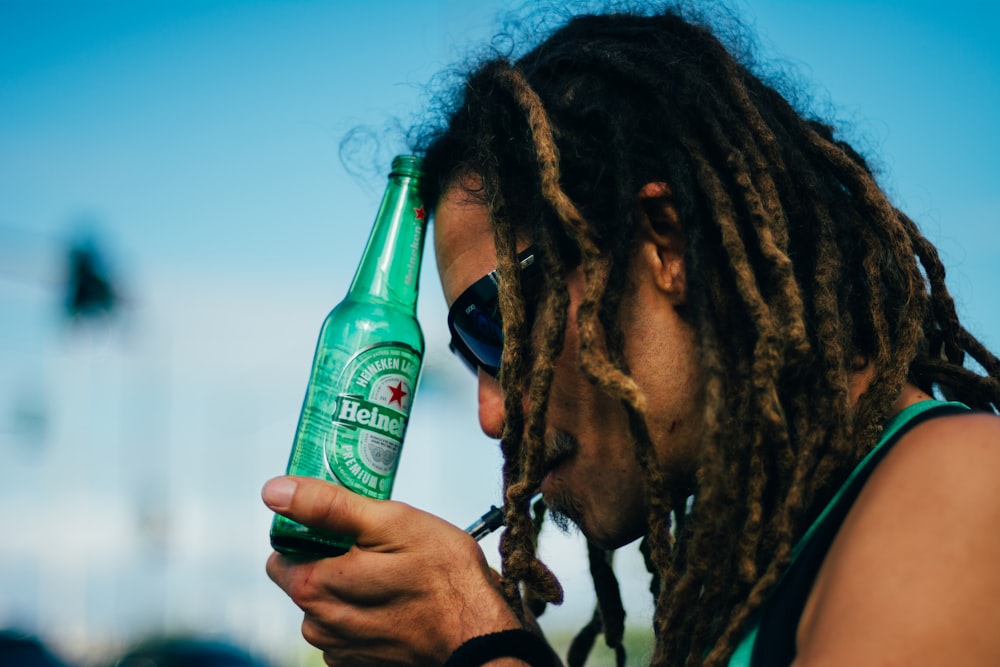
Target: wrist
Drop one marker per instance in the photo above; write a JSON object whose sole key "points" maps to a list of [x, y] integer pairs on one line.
{"points": [[507, 648]]}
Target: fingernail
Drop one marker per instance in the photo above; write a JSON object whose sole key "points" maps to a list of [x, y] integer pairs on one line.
{"points": [[278, 493]]}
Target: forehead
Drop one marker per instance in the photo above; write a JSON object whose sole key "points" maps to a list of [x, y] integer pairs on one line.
{"points": [[463, 242]]}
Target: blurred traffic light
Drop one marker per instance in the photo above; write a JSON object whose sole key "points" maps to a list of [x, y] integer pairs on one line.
{"points": [[90, 292]]}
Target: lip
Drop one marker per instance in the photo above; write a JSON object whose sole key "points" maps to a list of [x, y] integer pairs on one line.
{"points": [[545, 486], [553, 466]]}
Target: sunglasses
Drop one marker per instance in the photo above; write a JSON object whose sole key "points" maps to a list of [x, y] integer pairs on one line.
{"points": [[474, 319]]}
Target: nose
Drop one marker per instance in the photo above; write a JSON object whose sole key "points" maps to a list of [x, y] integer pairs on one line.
{"points": [[491, 410]]}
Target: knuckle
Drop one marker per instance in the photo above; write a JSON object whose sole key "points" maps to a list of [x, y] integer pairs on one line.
{"points": [[297, 580], [273, 567], [315, 635], [396, 516], [326, 505], [332, 506], [301, 590], [312, 634], [326, 630]]}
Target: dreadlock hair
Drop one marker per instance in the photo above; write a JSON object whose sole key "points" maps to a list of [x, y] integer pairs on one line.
{"points": [[799, 273]]}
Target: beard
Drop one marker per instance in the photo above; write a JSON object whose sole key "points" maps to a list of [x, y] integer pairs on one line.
{"points": [[563, 508], [562, 520]]}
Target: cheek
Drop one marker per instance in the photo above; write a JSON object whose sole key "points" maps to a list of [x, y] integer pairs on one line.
{"points": [[569, 386], [491, 408], [573, 395]]}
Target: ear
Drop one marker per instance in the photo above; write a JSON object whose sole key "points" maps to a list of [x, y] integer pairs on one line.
{"points": [[661, 239]]}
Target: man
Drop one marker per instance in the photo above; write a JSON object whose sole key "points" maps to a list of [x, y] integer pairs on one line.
{"points": [[718, 335]]}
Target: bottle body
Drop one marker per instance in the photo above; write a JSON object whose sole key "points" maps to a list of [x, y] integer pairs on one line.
{"points": [[364, 373]]}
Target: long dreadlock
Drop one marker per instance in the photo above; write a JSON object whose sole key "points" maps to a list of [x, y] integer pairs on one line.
{"points": [[799, 272]]}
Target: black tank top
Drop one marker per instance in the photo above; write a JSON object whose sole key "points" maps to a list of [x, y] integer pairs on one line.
{"points": [[774, 645]]}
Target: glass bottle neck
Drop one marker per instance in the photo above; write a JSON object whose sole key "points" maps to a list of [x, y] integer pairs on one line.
{"points": [[389, 271]]}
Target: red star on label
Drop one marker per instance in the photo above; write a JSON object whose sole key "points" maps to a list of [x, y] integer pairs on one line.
{"points": [[397, 394], [421, 215]]}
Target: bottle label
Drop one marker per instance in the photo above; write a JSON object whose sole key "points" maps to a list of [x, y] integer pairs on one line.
{"points": [[369, 416]]}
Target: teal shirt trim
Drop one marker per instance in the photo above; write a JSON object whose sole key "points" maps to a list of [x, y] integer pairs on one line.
{"points": [[741, 656], [744, 651]]}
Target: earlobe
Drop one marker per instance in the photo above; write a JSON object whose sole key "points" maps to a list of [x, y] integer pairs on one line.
{"points": [[661, 238]]}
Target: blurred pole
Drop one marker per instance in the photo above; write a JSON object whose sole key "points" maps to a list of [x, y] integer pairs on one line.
{"points": [[70, 399], [147, 467]]}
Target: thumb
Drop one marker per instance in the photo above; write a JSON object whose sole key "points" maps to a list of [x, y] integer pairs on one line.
{"points": [[319, 504]]}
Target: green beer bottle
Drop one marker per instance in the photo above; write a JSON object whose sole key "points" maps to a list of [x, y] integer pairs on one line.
{"points": [[365, 368]]}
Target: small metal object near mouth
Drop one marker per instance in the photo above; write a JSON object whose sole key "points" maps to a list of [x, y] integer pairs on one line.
{"points": [[486, 524]]}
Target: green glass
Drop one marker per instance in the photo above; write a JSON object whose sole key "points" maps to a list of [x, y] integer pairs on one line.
{"points": [[365, 368]]}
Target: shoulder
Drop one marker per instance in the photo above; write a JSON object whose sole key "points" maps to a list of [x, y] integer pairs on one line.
{"points": [[912, 576], [957, 455]]}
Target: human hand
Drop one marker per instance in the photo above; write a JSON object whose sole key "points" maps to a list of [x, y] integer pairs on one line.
{"points": [[411, 590]]}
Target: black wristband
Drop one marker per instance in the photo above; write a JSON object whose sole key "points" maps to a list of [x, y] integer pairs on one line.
{"points": [[520, 644]]}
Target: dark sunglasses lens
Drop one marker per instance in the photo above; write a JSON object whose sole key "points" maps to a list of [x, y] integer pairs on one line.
{"points": [[474, 318], [481, 335]]}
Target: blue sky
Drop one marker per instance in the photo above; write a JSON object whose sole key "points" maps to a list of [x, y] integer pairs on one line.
{"points": [[199, 140]]}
